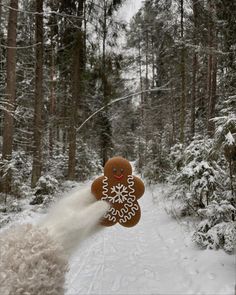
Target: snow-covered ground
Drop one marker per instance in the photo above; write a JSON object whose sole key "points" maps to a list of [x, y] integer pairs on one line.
{"points": [[155, 257]]}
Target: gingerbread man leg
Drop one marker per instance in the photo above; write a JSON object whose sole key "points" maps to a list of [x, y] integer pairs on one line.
{"points": [[132, 217], [107, 222], [109, 218]]}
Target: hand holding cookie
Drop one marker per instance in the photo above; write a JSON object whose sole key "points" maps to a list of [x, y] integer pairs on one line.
{"points": [[122, 190]]}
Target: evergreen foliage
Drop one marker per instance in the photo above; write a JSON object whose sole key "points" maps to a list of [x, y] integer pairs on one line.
{"points": [[182, 132]]}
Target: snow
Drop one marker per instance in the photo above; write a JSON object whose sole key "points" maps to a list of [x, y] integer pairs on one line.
{"points": [[129, 9], [229, 138], [155, 257]]}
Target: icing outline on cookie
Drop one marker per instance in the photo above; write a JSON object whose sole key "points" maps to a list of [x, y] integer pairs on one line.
{"points": [[124, 213]]}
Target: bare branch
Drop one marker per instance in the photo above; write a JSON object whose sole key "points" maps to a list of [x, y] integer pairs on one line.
{"points": [[21, 47], [43, 13], [162, 88]]}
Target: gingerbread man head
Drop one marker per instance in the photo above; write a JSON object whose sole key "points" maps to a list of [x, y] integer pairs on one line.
{"points": [[122, 190], [117, 169]]}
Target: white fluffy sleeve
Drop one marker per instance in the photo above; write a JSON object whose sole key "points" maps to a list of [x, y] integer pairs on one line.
{"points": [[31, 263]]}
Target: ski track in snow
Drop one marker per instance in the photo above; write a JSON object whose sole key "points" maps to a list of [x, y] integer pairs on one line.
{"points": [[155, 257]]}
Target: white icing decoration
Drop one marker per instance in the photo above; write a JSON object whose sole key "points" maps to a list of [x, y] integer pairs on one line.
{"points": [[129, 210], [130, 181], [130, 214], [111, 215], [105, 187], [121, 194]]}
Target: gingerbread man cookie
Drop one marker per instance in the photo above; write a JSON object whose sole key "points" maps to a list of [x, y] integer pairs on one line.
{"points": [[122, 190]]}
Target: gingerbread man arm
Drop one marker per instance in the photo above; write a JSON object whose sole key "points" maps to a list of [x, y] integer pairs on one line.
{"points": [[139, 187], [97, 187]]}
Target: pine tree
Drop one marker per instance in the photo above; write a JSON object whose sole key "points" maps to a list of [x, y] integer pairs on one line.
{"points": [[8, 130], [38, 104], [183, 76], [76, 68], [212, 66]]}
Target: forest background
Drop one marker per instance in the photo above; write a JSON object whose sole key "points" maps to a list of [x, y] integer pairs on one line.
{"points": [[166, 83]]}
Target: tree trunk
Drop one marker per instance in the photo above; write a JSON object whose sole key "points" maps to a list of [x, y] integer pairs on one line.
{"points": [[52, 101], [173, 108], [85, 21], [76, 83], [63, 125], [8, 128], [77, 64], [153, 64], [195, 64], [212, 67], [106, 133], [1, 118], [193, 102], [141, 80], [146, 59], [38, 103], [212, 102], [0, 40], [209, 63], [141, 132], [183, 79]]}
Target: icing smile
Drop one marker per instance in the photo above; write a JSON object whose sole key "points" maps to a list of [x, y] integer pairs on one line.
{"points": [[118, 176]]}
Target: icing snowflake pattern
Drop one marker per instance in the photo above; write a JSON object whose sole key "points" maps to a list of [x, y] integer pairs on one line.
{"points": [[121, 194]]}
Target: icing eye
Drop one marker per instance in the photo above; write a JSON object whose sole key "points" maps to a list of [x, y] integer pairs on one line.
{"points": [[121, 170], [114, 170]]}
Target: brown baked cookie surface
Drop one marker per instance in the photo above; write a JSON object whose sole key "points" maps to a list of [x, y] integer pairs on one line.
{"points": [[122, 190]]}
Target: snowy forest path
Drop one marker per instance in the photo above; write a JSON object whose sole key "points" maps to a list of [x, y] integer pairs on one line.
{"points": [[154, 257]]}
